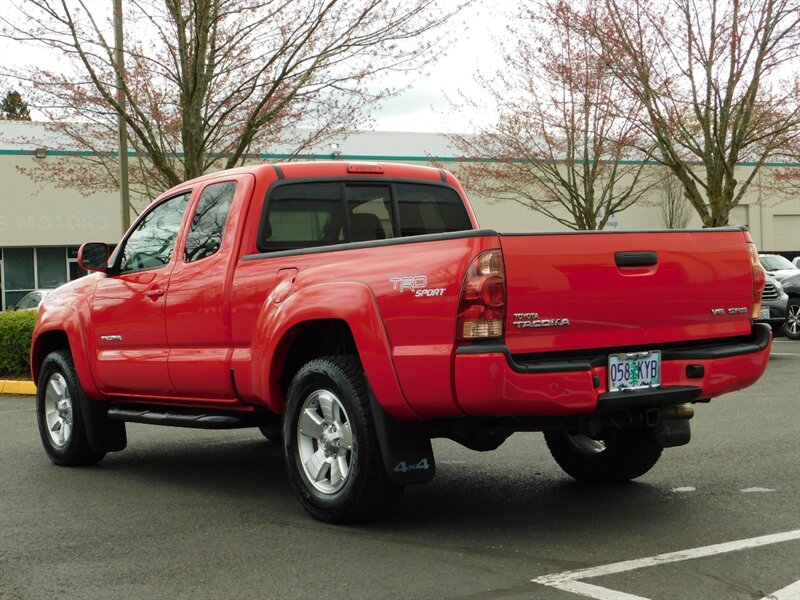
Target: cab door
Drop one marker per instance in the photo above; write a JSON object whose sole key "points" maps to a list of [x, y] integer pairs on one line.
{"points": [[128, 308], [198, 300]]}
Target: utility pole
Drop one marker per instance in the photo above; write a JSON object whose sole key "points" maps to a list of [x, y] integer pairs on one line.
{"points": [[124, 193]]}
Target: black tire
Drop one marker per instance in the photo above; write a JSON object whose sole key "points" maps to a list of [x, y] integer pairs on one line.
{"points": [[623, 455], [62, 426], [791, 327], [271, 433], [337, 495]]}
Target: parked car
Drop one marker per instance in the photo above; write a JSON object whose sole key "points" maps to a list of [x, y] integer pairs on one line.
{"points": [[31, 300], [796, 261], [778, 266], [791, 327], [774, 301]]}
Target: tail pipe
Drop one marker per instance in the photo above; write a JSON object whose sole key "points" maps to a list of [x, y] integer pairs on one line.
{"points": [[677, 412]]}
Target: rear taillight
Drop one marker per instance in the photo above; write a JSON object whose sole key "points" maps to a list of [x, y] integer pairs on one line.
{"points": [[759, 279], [482, 305]]}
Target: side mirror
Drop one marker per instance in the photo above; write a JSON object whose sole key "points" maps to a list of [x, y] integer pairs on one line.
{"points": [[93, 256]]}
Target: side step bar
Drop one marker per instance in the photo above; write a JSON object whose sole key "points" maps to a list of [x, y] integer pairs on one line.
{"points": [[185, 417]]}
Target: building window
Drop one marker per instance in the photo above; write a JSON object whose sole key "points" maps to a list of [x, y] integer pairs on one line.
{"points": [[19, 274], [51, 268], [25, 269], [73, 269]]}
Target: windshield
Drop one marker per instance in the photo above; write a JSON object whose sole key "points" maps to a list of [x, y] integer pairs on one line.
{"points": [[775, 263]]}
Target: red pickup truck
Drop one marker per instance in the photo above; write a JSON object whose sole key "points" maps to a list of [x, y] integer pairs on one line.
{"points": [[353, 312]]}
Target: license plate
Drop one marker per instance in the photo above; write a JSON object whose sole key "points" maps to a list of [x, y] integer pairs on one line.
{"points": [[764, 313], [634, 370]]}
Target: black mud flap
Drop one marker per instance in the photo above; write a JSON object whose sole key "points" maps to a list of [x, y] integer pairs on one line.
{"points": [[405, 447], [673, 432], [102, 433]]}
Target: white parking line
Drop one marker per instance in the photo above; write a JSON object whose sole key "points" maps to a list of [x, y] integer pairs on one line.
{"points": [[569, 581], [790, 592]]}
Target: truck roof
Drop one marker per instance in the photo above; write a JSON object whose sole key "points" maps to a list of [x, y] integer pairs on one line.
{"points": [[330, 168]]}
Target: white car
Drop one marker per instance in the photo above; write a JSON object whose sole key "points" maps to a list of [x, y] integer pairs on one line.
{"points": [[778, 266], [31, 300]]}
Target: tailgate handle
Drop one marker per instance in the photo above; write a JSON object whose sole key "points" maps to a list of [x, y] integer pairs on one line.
{"points": [[636, 259]]}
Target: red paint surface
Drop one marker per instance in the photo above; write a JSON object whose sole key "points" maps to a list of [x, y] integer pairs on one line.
{"points": [[224, 319]]}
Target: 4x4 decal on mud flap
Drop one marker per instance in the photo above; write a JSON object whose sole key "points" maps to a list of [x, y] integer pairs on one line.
{"points": [[404, 467]]}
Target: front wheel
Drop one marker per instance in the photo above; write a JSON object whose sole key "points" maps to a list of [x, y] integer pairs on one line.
{"points": [[621, 455], [62, 425], [330, 444], [791, 327]]}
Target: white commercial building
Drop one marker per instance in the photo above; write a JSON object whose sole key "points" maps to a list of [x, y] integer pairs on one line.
{"points": [[42, 223]]}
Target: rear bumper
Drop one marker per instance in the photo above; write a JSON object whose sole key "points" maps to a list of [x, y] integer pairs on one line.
{"points": [[491, 382]]}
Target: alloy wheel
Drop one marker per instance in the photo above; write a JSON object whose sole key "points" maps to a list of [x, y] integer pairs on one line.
{"points": [[59, 415], [325, 441]]}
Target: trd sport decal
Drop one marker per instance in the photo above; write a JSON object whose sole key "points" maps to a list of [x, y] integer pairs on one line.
{"points": [[416, 284]]}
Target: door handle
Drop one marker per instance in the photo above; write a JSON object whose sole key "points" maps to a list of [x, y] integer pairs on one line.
{"points": [[154, 293], [636, 259]]}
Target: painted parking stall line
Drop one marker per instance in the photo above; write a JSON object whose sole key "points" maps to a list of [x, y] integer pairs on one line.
{"points": [[571, 581], [785, 348], [790, 592]]}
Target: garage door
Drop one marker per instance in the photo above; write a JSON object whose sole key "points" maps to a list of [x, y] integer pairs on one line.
{"points": [[786, 232]]}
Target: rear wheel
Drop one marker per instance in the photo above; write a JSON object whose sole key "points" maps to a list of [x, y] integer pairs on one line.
{"points": [[330, 444], [62, 426], [791, 328], [621, 455], [272, 433]]}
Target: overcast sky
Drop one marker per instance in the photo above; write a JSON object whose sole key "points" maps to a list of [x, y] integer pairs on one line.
{"points": [[425, 105]]}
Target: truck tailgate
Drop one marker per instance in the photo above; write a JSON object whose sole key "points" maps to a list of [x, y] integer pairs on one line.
{"points": [[611, 290]]}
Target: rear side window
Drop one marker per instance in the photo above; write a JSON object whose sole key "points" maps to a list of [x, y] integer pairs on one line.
{"points": [[430, 209], [302, 216], [208, 223], [306, 215]]}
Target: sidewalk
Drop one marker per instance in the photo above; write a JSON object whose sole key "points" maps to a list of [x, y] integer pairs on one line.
{"points": [[14, 386]]}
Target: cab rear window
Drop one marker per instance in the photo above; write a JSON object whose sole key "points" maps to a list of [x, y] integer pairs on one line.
{"points": [[311, 214]]}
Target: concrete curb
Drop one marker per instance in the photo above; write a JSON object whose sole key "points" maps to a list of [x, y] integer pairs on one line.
{"points": [[12, 386]]}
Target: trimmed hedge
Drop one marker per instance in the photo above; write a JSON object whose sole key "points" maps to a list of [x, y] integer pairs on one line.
{"points": [[16, 331]]}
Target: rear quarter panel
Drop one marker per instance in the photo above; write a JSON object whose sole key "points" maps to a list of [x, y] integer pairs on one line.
{"points": [[360, 286]]}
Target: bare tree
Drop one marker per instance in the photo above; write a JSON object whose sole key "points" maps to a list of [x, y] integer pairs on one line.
{"points": [[786, 179], [708, 73], [207, 81], [676, 212], [564, 143]]}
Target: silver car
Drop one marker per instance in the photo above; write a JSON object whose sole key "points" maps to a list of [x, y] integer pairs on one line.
{"points": [[791, 328], [774, 301]]}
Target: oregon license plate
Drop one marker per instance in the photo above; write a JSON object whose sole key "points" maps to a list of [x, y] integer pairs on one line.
{"points": [[634, 370], [764, 313]]}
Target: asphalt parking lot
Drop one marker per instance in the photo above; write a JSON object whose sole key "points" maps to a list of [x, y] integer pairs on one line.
{"points": [[201, 514]]}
